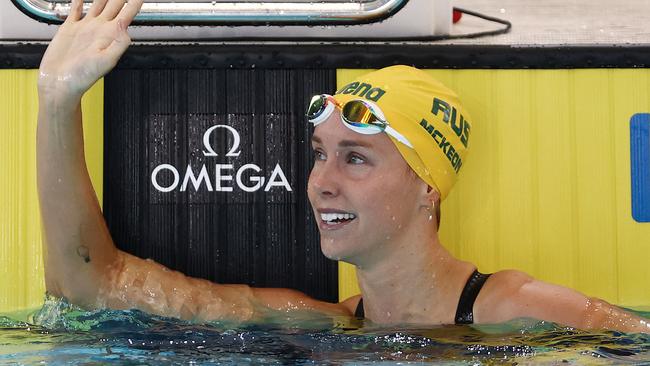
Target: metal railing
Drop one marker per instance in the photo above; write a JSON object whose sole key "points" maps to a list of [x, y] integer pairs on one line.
{"points": [[212, 12]]}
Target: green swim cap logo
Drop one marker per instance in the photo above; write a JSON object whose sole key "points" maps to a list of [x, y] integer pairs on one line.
{"points": [[363, 90], [441, 141], [458, 124], [462, 129]]}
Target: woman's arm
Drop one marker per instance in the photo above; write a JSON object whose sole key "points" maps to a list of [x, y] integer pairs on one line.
{"points": [[81, 260], [513, 294], [151, 287], [80, 257]]}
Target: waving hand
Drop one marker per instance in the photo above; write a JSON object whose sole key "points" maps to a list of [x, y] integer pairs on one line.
{"points": [[87, 47]]}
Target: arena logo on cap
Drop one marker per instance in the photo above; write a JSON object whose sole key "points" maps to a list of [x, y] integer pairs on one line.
{"points": [[222, 174], [363, 90]]}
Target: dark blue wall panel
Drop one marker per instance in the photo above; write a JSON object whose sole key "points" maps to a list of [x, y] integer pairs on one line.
{"points": [[640, 166]]}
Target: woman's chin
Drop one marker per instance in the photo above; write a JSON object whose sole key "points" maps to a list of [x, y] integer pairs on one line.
{"points": [[334, 249]]}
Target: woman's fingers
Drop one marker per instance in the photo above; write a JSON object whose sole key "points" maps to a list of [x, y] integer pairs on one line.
{"points": [[111, 9], [119, 45], [76, 9], [96, 8], [130, 11]]}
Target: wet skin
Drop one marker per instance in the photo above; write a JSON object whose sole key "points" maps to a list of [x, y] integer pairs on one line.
{"points": [[363, 175], [405, 273]]}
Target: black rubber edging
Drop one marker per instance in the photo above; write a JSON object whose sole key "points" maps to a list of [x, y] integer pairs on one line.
{"points": [[338, 55]]}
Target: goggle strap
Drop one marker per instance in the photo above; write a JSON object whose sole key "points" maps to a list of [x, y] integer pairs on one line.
{"points": [[391, 131]]}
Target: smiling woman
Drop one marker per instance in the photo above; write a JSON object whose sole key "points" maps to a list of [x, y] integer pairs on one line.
{"points": [[142, 86], [369, 215], [374, 218]]}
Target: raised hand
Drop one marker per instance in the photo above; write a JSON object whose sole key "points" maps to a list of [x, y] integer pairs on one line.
{"points": [[85, 48]]}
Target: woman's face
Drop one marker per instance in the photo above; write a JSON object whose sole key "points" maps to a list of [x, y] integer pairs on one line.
{"points": [[361, 192]]}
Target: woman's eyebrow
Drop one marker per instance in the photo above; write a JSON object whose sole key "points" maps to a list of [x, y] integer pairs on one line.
{"points": [[353, 143], [343, 143]]}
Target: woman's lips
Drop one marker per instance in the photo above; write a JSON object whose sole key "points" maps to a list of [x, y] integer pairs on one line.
{"points": [[331, 219]]}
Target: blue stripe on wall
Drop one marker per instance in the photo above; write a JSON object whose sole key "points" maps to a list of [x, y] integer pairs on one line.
{"points": [[640, 166]]}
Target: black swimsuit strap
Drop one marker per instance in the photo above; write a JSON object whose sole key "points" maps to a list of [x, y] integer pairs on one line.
{"points": [[359, 313], [465, 309]]}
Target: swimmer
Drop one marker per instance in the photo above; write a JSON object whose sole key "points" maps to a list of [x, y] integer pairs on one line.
{"points": [[388, 148]]}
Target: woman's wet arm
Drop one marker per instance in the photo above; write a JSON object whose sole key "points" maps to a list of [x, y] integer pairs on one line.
{"points": [[513, 294], [156, 289], [78, 246], [79, 251]]}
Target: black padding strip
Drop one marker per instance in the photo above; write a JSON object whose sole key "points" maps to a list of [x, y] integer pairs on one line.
{"points": [[315, 55]]}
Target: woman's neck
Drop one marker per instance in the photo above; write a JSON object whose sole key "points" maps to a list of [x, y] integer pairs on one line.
{"points": [[417, 282]]}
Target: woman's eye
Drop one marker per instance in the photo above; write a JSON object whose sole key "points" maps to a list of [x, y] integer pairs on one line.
{"points": [[356, 159], [318, 155]]}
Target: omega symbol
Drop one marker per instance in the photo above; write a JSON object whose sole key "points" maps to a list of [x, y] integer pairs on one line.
{"points": [[234, 149]]}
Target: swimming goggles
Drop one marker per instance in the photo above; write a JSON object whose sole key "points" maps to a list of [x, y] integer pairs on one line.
{"points": [[359, 115]]}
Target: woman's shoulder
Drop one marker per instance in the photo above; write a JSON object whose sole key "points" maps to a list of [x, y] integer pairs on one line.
{"points": [[508, 280], [510, 294]]}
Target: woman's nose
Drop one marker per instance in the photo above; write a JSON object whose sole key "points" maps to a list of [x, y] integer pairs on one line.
{"points": [[324, 179]]}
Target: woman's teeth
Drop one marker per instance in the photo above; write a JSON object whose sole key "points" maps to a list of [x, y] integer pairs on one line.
{"points": [[332, 218]]}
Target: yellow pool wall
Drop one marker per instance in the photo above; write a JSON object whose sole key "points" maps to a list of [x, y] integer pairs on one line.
{"points": [[22, 283], [545, 188]]}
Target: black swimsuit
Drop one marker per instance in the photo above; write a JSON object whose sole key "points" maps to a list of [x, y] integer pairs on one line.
{"points": [[465, 309]]}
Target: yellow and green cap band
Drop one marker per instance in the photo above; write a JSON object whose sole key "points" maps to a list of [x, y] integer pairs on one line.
{"points": [[426, 112]]}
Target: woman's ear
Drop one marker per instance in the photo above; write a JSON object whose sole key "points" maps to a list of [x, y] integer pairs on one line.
{"points": [[433, 197]]}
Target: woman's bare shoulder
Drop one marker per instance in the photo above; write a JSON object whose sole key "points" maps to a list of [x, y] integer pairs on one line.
{"points": [[498, 298], [512, 294]]}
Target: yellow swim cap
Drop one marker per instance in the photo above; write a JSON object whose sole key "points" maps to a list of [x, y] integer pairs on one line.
{"points": [[426, 112]]}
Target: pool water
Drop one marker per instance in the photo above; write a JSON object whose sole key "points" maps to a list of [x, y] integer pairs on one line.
{"points": [[61, 334]]}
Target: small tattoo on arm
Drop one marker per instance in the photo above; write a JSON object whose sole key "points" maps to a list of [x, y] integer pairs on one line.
{"points": [[83, 252]]}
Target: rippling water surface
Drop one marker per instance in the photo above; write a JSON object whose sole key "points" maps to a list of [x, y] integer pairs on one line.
{"points": [[70, 336]]}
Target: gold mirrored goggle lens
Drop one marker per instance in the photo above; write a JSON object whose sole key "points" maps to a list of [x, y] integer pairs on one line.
{"points": [[361, 115]]}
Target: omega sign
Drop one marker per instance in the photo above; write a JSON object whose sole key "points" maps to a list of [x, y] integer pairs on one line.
{"points": [[223, 175]]}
